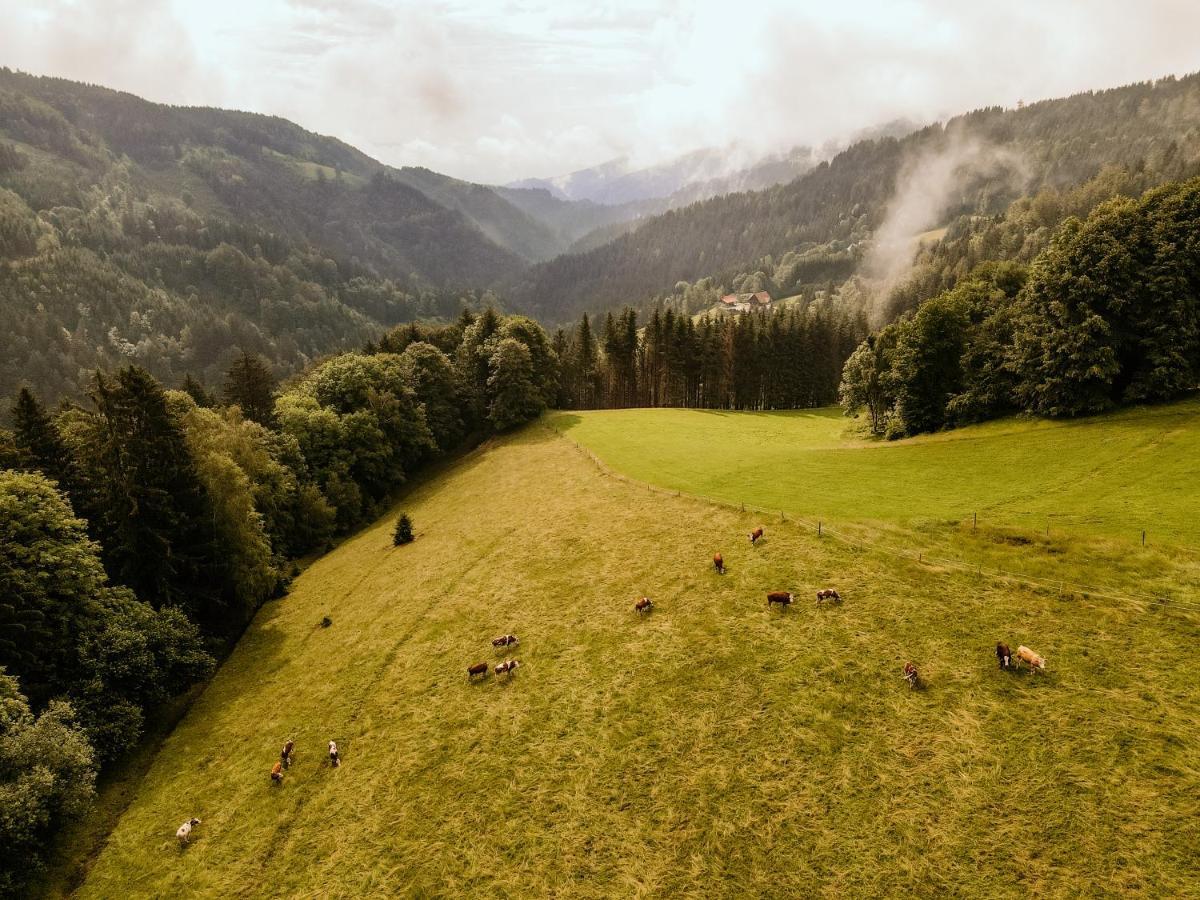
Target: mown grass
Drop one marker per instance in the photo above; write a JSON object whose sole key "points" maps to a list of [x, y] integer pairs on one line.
{"points": [[1113, 475], [712, 748]]}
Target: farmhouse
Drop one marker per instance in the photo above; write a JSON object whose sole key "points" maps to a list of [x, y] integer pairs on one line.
{"points": [[744, 303]]}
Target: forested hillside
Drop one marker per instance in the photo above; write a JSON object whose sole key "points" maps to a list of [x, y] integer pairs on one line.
{"points": [[177, 238], [818, 228], [1107, 314], [141, 530]]}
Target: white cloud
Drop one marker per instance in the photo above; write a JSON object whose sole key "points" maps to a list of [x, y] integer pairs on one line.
{"points": [[500, 90]]}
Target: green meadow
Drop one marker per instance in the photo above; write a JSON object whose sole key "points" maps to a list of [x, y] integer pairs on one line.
{"points": [[713, 747], [1116, 475]]}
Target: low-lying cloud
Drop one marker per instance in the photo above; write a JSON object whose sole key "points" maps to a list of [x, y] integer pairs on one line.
{"points": [[495, 91], [927, 188]]}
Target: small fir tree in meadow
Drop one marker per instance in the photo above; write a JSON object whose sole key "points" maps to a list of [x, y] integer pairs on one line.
{"points": [[403, 533]]}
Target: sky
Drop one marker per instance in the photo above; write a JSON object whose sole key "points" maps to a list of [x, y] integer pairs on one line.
{"points": [[497, 91]]}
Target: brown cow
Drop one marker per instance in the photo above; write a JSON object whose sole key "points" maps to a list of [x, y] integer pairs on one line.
{"points": [[828, 594], [783, 598], [508, 666], [285, 755], [910, 675], [477, 669], [505, 640], [756, 535], [1003, 656], [1035, 662], [719, 563], [644, 605], [277, 773]]}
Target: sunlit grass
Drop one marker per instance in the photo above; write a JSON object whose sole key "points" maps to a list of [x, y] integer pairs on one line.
{"points": [[1115, 475], [712, 748]]}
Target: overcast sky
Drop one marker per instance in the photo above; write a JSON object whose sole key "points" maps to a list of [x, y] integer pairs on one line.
{"points": [[494, 91]]}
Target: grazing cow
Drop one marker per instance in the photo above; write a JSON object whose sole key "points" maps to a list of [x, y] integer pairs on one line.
{"points": [[277, 773], [508, 666], [756, 535], [285, 755], [505, 640], [783, 598], [1003, 656], [1035, 662], [910, 674], [335, 760], [185, 831], [719, 563], [643, 605], [828, 594], [477, 669]]}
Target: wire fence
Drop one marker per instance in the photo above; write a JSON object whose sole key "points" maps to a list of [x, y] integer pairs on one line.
{"points": [[920, 557]]}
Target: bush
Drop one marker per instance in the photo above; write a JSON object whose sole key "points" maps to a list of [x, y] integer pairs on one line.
{"points": [[403, 533]]}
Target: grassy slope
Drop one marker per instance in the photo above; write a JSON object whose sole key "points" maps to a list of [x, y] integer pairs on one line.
{"points": [[712, 748], [1114, 475]]}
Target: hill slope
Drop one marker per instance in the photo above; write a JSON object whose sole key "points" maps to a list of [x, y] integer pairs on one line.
{"points": [[817, 227], [1112, 475], [713, 747]]}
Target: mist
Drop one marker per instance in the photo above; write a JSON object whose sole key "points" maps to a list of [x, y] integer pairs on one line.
{"points": [[508, 89], [927, 188]]}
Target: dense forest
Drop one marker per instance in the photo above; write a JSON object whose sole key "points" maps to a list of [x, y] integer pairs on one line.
{"points": [[141, 530], [1107, 314], [788, 359], [818, 228]]}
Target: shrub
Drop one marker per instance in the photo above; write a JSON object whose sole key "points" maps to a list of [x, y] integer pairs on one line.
{"points": [[403, 533]]}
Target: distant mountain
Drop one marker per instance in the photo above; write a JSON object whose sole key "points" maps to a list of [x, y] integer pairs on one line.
{"points": [[174, 236], [695, 176], [819, 228]]}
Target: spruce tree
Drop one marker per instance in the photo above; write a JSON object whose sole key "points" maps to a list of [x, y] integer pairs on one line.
{"points": [[39, 440], [156, 522], [250, 385], [403, 533]]}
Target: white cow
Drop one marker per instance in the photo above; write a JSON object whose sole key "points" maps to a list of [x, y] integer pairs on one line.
{"points": [[185, 830]]}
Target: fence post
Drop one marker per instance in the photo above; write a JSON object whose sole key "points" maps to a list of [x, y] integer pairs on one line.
{"points": [[974, 520], [818, 529], [1143, 538]]}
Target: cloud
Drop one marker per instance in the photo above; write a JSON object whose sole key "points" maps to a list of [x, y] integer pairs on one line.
{"points": [[926, 187], [500, 90]]}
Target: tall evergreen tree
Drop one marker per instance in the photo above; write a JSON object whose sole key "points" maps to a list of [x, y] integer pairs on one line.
{"points": [[250, 385], [155, 519], [38, 438]]}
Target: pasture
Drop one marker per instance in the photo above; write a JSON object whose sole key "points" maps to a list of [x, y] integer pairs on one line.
{"points": [[1112, 475], [711, 747]]}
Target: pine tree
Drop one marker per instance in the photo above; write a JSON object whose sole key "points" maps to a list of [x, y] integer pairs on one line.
{"points": [[403, 534], [155, 519], [40, 442], [250, 385], [198, 392]]}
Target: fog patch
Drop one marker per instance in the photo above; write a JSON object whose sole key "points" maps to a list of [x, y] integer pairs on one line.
{"points": [[927, 188]]}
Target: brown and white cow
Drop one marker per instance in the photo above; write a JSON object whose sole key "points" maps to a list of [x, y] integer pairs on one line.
{"points": [[505, 640], [184, 834], [477, 669], [643, 605], [277, 773], [507, 667], [719, 563], [1027, 656], [910, 674], [828, 594], [1003, 656], [783, 598], [756, 535]]}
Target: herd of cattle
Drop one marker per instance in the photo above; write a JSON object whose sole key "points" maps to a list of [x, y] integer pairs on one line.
{"points": [[784, 599]]}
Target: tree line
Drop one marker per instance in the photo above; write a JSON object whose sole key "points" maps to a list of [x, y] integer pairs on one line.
{"points": [[140, 530], [1107, 314], [787, 359]]}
